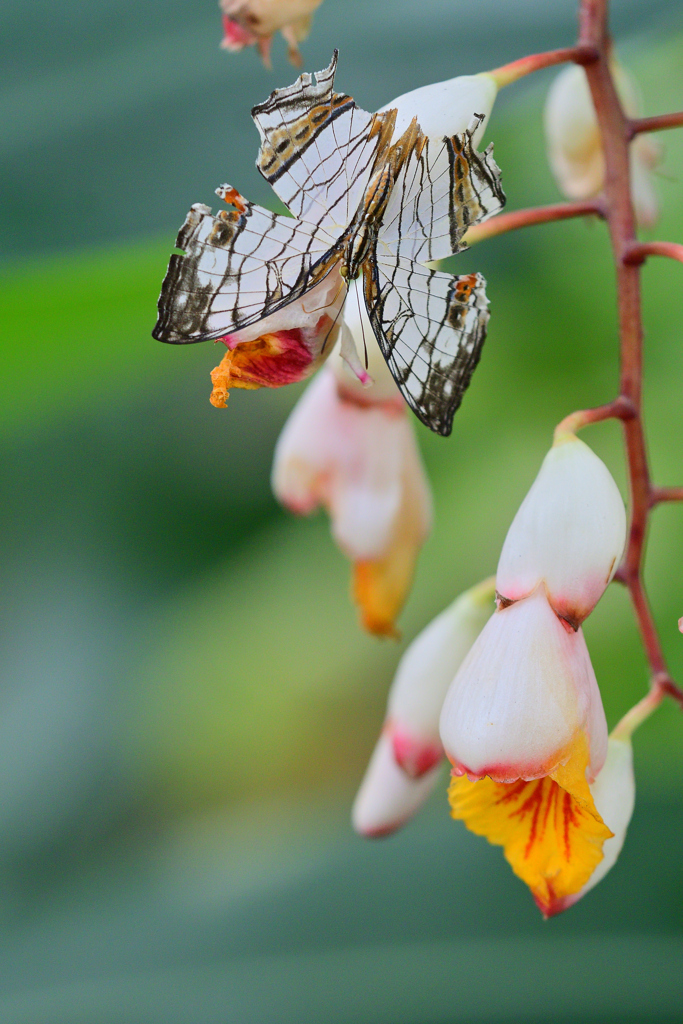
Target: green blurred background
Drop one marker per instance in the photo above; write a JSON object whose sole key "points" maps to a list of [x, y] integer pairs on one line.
{"points": [[188, 703]]}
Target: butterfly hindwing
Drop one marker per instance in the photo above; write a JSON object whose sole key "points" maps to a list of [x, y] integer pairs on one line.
{"points": [[430, 328], [318, 149], [239, 266], [444, 187]]}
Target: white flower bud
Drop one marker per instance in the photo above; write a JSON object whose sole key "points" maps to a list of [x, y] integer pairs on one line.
{"points": [[387, 797], [523, 697], [424, 674], [446, 108], [574, 146], [569, 533]]}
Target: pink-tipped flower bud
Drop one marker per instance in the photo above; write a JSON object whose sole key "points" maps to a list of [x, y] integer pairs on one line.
{"points": [[405, 763], [388, 797], [568, 534], [424, 674]]}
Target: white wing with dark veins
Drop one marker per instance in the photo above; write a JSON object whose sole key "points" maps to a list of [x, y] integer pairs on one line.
{"points": [[444, 187], [318, 149], [430, 328], [239, 267]]}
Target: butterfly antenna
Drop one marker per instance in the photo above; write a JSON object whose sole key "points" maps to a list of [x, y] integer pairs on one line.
{"points": [[334, 322], [362, 327]]}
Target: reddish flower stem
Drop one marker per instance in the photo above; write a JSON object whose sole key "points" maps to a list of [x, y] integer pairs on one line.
{"points": [[509, 73], [657, 123], [616, 132], [658, 495], [615, 206], [636, 252], [536, 215]]}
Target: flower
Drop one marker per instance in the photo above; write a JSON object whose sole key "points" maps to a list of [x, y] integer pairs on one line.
{"points": [[255, 22], [353, 451], [283, 348], [405, 765], [523, 723], [574, 147], [614, 793], [569, 532], [446, 108]]}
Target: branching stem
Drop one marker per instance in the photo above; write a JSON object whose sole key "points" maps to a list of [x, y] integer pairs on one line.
{"points": [[614, 205]]}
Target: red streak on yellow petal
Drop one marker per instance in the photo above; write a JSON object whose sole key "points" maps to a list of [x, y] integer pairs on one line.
{"points": [[549, 828]]}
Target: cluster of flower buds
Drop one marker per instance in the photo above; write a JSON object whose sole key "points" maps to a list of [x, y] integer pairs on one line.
{"points": [[505, 691], [521, 718]]}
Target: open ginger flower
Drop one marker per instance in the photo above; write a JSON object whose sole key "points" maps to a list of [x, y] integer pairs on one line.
{"points": [[255, 22], [353, 451], [574, 147], [523, 723], [406, 763]]}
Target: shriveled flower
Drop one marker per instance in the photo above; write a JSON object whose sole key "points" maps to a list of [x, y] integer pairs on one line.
{"points": [[255, 22], [405, 764], [523, 723], [353, 451], [574, 147]]}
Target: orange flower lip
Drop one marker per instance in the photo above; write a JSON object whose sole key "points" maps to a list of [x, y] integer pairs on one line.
{"points": [[271, 361]]}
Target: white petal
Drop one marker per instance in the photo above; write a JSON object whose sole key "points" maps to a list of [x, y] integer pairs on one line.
{"points": [[361, 462], [572, 135], [521, 697], [428, 666], [446, 108], [387, 797], [614, 792], [357, 330], [569, 532]]}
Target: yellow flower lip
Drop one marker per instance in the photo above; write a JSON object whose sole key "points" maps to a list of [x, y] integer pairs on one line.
{"points": [[550, 830]]}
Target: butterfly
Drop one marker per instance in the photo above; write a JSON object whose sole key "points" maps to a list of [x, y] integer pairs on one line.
{"points": [[372, 209]]}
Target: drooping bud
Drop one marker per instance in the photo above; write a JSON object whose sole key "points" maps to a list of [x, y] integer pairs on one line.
{"points": [[574, 146], [388, 797], [424, 674], [569, 533], [359, 460]]}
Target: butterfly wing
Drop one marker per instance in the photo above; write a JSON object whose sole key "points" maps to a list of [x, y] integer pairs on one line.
{"points": [[443, 188], [239, 267], [318, 149], [430, 328]]}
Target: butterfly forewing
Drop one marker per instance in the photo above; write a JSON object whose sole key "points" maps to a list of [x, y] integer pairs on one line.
{"points": [[430, 328], [318, 149], [239, 266], [443, 188]]}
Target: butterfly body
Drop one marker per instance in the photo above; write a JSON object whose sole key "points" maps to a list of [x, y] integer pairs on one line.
{"points": [[364, 207]]}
